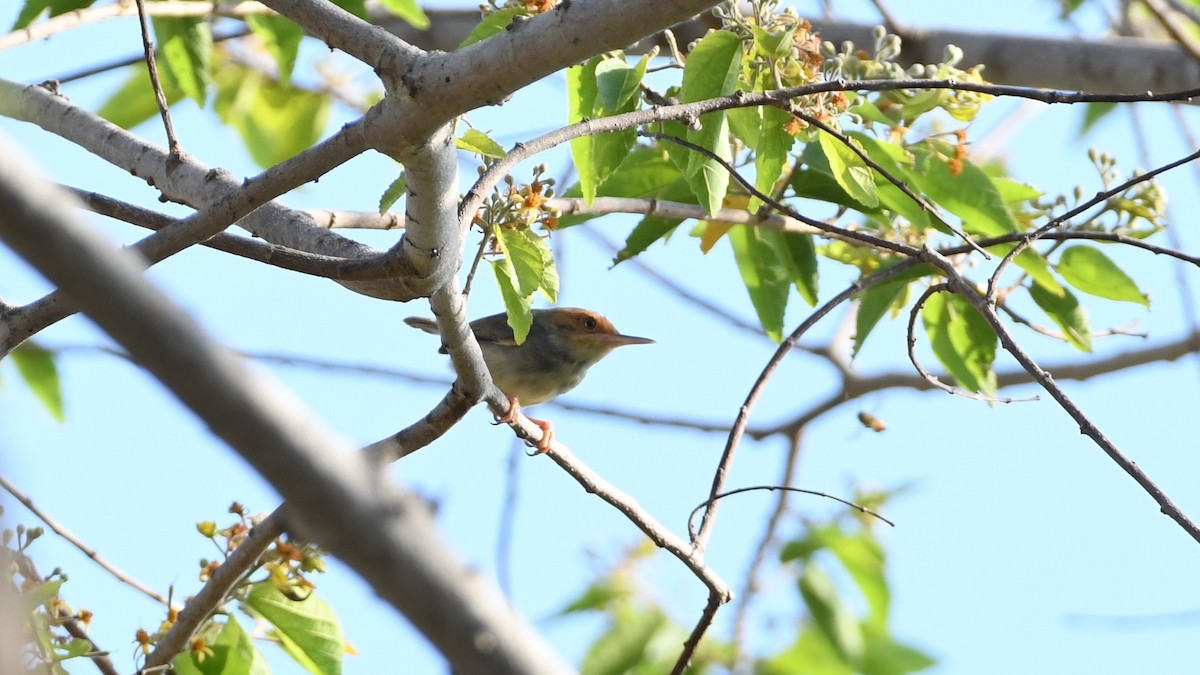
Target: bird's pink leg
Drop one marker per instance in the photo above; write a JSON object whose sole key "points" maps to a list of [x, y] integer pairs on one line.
{"points": [[514, 409]]}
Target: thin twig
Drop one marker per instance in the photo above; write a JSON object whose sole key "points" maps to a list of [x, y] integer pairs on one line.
{"points": [[754, 488], [750, 586], [75, 541], [159, 96], [693, 641], [930, 377]]}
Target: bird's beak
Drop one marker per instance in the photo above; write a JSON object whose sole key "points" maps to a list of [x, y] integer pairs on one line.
{"points": [[613, 341]]}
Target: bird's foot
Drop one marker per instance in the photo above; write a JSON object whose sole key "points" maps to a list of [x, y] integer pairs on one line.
{"points": [[510, 417]]}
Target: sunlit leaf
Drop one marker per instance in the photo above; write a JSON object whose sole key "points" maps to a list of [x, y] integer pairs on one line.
{"points": [[356, 7], [392, 194], [810, 654], [882, 655], [231, 653], [530, 255], [971, 195], [800, 259], [408, 10], [275, 121], [1093, 112], [849, 170], [492, 24], [830, 615], [711, 70], [185, 51], [962, 341], [617, 83], [623, 646], [29, 13], [474, 140], [652, 228], [581, 104], [877, 300], [1062, 308], [774, 144], [281, 37], [134, 102], [517, 305], [764, 274], [36, 366], [1089, 270], [309, 629]]}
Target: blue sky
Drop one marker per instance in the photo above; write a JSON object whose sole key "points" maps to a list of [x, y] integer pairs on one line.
{"points": [[1016, 542]]}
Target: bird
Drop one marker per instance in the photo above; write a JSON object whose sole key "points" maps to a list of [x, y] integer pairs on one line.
{"points": [[562, 344]]}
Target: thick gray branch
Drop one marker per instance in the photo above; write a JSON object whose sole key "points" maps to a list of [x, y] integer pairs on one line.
{"points": [[1109, 64]]}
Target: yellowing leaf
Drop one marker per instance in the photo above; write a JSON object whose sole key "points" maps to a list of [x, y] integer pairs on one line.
{"points": [[711, 232]]}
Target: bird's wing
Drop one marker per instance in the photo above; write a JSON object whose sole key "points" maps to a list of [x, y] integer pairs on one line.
{"points": [[494, 329]]}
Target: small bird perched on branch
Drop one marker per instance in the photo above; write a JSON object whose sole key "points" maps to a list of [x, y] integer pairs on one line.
{"points": [[562, 344]]}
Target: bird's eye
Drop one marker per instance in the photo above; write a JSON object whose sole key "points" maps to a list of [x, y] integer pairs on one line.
{"points": [[589, 323]]}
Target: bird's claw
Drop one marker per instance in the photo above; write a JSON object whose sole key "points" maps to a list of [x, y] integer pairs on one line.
{"points": [[510, 418]]}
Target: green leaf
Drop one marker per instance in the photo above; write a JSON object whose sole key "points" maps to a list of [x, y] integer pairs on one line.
{"points": [[746, 125], [233, 653], [877, 300], [393, 193], [624, 646], [711, 70], [356, 7], [830, 616], [1062, 308], [37, 368], [617, 83], [29, 13], [872, 305], [307, 629], [646, 173], [581, 103], [1092, 272], [884, 656], [134, 102], [764, 275], [897, 162], [810, 654], [408, 10], [863, 558], [479, 143], [531, 259], [774, 144], [599, 595], [492, 24], [517, 305], [962, 341], [281, 37], [773, 45], [849, 170], [45, 592], [652, 228], [602, 86], [185, 47], [1093, 113], [971, 195], [276, 121], [801, 261]]}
